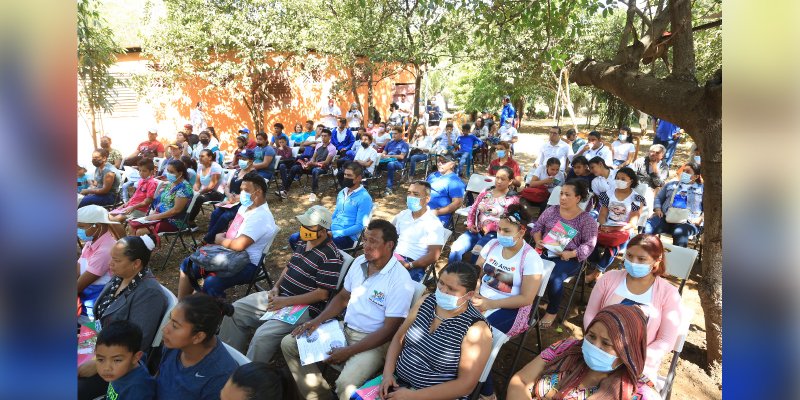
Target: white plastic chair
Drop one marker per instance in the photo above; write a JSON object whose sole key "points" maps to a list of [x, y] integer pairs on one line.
{"points": [[262, 273], [664, 383], [498, 340], [157, 162], [172, 301], [431, 269], [295, 151], [347, 260], [679, 262], [419, 289], [240, 358]]}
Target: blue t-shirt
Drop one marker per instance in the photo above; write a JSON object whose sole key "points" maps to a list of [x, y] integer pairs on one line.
{"points": [[396, 147], [301, 137], [468, 142], [83, 182], [203, 380], [508, 112], [445, 188], [137, 384], [273, 141], [665, 130], [259, 153]]}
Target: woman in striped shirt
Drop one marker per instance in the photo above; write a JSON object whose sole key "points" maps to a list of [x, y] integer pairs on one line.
{"points": [[442, 347]]}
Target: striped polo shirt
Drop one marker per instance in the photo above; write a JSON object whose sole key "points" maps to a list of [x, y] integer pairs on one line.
{"points": [[307, 271]]}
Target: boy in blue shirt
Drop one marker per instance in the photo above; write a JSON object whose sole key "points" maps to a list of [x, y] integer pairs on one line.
{"points": [[117, 357], [464, 146], [278, 132], [83, 180]]}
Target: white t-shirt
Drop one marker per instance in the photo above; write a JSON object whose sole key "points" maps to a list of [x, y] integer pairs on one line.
{"points": [[257, 224], [367, 154], [619, 211], [417, 235], [604, 152], [562, 151], [382, 139], [602, 185], [507, 132], [404, 108], [541, 173], [501, 277], [354, 118], [328, 121], [387, 293], [624, 296], [622, 150]]}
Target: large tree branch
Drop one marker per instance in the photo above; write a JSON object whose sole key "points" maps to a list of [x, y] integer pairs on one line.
{"points": [[677, 101], [682, 40]]}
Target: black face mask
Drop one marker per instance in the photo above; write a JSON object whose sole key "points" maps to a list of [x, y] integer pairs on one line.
{"points": [[205, 142], [97, 163], [364, 144], [348, 182]]}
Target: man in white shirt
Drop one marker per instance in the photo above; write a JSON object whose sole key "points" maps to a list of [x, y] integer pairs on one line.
{"points": [[366, 155], [197, 118], [329, 114], [421, 232], [596, 148], [507, 133], [404, 107], [250, 231], [555, 148], [376, 295]]}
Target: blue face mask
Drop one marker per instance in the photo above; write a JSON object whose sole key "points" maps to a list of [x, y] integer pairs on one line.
{"points": [[506, 241], [447, 301], [242, 164], [686, 178], [245, 200], [637, 270], [413, 203], [501, 153], [697, 159], [171, 177], [83, 236], [597, 359]]}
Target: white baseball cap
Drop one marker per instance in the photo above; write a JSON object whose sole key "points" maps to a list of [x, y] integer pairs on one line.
{"points": [[316, 215], [94, 214]]}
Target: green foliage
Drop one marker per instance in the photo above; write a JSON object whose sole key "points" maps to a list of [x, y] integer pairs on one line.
{"points": [[97, 52]]}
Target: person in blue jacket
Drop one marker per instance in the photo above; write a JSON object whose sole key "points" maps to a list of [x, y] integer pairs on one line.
{"points": [[465, 143], [342, 138], [508, 111], [353, 207]]}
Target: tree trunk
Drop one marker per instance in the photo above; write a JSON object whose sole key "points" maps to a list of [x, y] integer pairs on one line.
{"points": [[558, 97], [568, 101], [519, 105], [370, 92], [697, 109], [94, 126], [415, 112]]}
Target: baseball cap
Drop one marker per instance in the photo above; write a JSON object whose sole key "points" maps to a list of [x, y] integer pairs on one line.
{"points": [[152, 130], [247, 153], [173, 145], [448, 156], [507, 97], [188, 126], [94, 214], [244, 130], [316, 215]]}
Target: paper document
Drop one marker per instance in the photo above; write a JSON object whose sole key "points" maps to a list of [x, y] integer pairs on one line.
{"points": [[288, 314], [559, 237], [87, 338], [315, 346], [370, 390]]}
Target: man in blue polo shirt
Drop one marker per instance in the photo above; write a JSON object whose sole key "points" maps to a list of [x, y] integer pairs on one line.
{"points": [[668, 135], [447, 189], [508, 111], [393, 157], [465, 143]]}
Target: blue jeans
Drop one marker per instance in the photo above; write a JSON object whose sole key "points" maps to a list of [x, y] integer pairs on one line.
{"points": [[219, 221], [266, 174], [671, 145], [391, 166], [466, 242], [214, 285], [464, 160], [555, 286], [98, 199], [297, 170], [343, 242], [680, 232], [415, 159]]}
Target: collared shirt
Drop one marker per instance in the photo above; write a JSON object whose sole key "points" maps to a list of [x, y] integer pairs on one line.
{"points": [[417, 234], [445, 188], [307, 271], [507, 133], [654, 179], [368, 154], [385, 294], [442, 143], [396, 147], [603, 152], [508, 112], [97, 254], [328, 121], [561, 150], [351, 213]]}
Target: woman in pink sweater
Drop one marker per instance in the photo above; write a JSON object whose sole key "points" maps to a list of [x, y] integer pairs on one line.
{"points": [[641, 284]]}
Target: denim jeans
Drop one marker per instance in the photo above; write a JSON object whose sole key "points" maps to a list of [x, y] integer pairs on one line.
{"points": [[214, 285], [670, 145], [391, 166], [266, 174], [555, 286], [465, 161], [342, 242], [218, 222], [297, 170], [680, 232], [414, 160], [466, 242], [98, 199]]}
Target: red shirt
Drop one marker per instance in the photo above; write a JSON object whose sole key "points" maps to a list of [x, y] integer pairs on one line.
{"points": [[495, 165], [148, 148], [251, 144], [146, 189]]}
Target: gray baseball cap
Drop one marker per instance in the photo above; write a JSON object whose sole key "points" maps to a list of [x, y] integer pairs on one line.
{"points": [[316, 215]]}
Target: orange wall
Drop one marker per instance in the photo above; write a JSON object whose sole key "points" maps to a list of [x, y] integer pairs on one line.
{"points": [[228, 117]]}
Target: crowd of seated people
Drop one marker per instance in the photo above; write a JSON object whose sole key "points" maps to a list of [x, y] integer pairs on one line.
{"points": [[413, 345]]}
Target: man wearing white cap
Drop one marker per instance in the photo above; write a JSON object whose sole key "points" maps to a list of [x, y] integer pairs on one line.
{"points": [[320, 217], [147, 149], [95, 230]]}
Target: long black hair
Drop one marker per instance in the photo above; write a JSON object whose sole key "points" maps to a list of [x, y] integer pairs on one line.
{"points": [[205, 313]]}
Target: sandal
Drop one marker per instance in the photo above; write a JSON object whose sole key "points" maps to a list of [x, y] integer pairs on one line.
{"points": [[547, 324]]}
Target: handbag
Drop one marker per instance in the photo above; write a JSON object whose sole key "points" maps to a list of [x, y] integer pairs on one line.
{"points": [[613, 238], [221, 260], [677, 215]]}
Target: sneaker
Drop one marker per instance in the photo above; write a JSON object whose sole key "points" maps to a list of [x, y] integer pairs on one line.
{"points": [[193, 227], [489, 397], [388, 192], [312, 197], [281, 194]]}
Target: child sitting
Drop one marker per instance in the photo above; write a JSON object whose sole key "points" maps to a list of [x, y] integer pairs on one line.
{"points": [[83, 180], [117, 357]]}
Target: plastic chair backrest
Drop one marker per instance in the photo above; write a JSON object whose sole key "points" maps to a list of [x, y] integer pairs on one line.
{"points": [[478, 183], [679, 260], [267, 247], [447, 234], [226, 178], [498, 340], [555, 197], [240, 358], [295, 151], [419, 289], [172, 301], [347, 259], [548, 269], [157, 162]]}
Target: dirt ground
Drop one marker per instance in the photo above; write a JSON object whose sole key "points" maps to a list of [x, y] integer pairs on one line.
{"points": [[692, 381]]}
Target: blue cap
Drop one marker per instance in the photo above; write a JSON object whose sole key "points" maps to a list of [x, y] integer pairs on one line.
{"points": [[247, 153], [244, 130]]}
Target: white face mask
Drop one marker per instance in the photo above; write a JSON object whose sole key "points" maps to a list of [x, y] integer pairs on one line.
{"points": [[621, 184], [622, 137]]}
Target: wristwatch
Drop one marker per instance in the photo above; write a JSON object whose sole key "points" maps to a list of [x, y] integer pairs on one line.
{"points": [[410, 264]]}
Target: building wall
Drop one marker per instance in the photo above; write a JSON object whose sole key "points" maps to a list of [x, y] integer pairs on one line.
{"points": [[127, 126]]}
